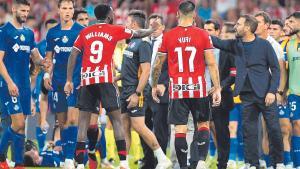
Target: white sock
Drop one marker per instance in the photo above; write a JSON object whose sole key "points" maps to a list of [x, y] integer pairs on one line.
{"points": [[159, 154]]}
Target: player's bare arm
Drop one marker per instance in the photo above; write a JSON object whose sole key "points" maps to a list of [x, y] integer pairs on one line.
{"points": [[134, 99], [71, 65], [282, 85], [141, 33], [160, 59], [214, 74], [39, 60], [47, 75], [12, 88]]}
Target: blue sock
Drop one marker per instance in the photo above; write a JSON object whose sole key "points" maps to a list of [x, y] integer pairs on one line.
{"points": [[63, 139], [233, 149], [6, 138], [267, 159], [212, 147], [71, 141], [41, 138], [18, 146], [287, 158], [240, 149], [296, 150], [101, 145]]}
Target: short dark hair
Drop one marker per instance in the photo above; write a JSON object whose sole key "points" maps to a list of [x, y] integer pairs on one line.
{"points": [[50, 21], [229, 27], [156, 16], [139, 17], [251, 22], [102, 11], [216, 24], [21, 2], [78, 11], [28, 161], [277, 22], [265, 15], [186, 7], [295, 15], [60, 1]]}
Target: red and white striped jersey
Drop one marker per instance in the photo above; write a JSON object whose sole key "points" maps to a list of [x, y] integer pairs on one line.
{"points": [[185, 48], [98, 42]]}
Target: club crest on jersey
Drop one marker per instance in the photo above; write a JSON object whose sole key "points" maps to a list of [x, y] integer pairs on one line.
{"points": [[16, 107], [65, 39], [132, 45], [22, 38]]}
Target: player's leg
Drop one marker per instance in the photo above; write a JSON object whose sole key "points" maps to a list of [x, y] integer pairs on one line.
{"points": [[127, 129], [93, 135], [110, 142], [212, 141], [286, 130], [233, 127], [265, 145], [294, 104]]}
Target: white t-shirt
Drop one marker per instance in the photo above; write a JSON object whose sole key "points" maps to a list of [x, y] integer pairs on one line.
{"points": [[277, 48]]}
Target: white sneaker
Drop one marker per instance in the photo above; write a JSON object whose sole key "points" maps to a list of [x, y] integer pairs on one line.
{"points": [[245, 166], [201, 165], [80, 166], [69, 164], [106, 164], [289, 166], [263, 164], [280, 166], [124, 165], [165, 164], [231, 164]]}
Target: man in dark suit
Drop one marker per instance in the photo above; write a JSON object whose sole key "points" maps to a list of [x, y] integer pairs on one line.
{"points": [[257, 82], [156, 113], [220, 114]]}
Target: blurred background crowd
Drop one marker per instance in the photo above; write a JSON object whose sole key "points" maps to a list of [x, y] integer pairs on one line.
{"points": [[221, 10]]}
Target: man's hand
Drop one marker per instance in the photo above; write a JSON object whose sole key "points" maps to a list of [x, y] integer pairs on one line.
{"points": [[69, 87], [155, 93], [280, 99], [13, 89], [48, 83], [216, 97], [33, 108], [161, 89], [270, 98], [155, 25], [46, 64], [132, 100], [44, 126]]}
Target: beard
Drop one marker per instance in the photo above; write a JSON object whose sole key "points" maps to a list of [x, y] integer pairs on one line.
{"points": [[293, 32], [20, 20], [237, 35]]}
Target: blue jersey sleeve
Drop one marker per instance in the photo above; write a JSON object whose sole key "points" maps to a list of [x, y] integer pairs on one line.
{"points": [[49, 41], [2, 42]]}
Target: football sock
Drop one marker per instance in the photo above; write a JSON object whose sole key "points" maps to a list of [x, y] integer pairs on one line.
{"points": [[181, 149], [233, 149]]}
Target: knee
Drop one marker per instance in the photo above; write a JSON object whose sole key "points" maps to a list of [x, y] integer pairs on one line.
{"points": [[19, 126], [285, 130], [296, 127], [181, 129]]}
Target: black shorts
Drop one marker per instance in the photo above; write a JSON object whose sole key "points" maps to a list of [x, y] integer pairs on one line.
{"points": [[137, 111], [90, 97], [43, 88], [179, 110]]}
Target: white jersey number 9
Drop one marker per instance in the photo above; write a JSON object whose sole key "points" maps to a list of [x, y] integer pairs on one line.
{"points": [[96, 50]]}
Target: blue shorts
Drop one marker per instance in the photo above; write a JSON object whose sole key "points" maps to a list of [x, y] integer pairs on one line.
{"points": [[294, 106], [284, 112], [235, 113], [14, 105], [58, 102], [72, 99]]}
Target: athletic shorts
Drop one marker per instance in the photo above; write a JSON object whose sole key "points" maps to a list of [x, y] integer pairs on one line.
{"points": [[93, 107], [283, 112], [14, 105], [59, 102], [137, 111], [294, 106], [235, 113], [105, 93], [179, 110]]}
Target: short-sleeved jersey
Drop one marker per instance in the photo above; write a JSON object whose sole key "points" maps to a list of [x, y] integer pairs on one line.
{"points": [[138, 51], [97, 42], [50, 159], [60, 42], [17, 45], [185, 48]]}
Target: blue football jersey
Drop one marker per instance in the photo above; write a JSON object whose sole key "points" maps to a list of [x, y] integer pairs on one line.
{"points": [[60, 42], [50, 159], [17, 45]]}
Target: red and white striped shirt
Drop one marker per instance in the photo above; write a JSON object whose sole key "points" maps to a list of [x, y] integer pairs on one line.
{"points": [[98, 42], [185, 48]]}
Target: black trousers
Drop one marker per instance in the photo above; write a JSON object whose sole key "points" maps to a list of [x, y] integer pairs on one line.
{"points": [[156, 120], [220, 117], [252, 107]]}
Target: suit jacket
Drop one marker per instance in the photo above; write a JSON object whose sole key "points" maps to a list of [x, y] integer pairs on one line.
{"points": [[164, 79], [227, 72], [257, 66]]}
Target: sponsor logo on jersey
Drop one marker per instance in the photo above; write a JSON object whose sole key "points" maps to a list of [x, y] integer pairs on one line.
{"points": [[56, 39], [18, 47], [186, 87], [128, 54], [16, 37], [87, 75], [58, 49]]}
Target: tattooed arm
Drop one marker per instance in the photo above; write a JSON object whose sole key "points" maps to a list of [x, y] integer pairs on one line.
{"points": [[71, 65], [160, 59]]}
